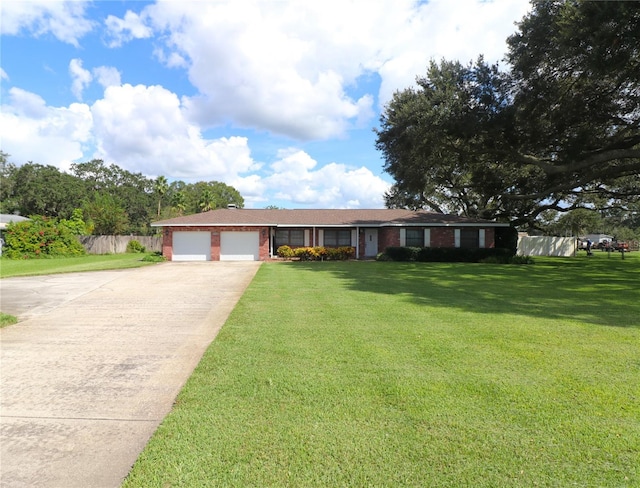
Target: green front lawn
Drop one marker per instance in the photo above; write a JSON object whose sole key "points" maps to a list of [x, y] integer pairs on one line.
{"points": [[89, 262], [415, 374]]}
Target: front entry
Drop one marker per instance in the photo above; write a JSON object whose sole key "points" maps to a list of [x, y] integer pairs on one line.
{"points": [[370, 243]]}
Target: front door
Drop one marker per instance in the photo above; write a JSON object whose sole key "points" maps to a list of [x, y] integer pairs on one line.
{"points": [[370, 243]]}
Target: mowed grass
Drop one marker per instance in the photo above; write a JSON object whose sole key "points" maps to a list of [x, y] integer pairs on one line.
{"points": [[6, 319], [89, 262], [415, 374]]}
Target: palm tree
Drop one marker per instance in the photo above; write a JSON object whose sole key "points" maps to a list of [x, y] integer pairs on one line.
{"points": [[206, 202], [161, 185], [179, 202]]}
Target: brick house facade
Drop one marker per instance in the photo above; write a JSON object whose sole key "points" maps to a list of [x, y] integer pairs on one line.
{"points": [[255, 234]]}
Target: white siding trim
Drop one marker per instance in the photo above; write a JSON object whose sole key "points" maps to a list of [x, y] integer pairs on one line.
{"points": [[306, 237], [481, 238], [427, 238], [403, 237], [321, 237], [456, 236], [354, 236]]}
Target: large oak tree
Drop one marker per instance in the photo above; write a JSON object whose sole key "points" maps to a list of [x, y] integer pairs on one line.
{"points": [[559, 129]]}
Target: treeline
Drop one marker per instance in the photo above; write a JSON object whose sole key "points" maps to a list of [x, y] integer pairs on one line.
{"points": [[113, 200]]}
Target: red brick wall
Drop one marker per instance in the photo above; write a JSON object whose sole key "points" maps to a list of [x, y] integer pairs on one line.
{"points": [[490, 237], [387, 237], [167, 242], [445, 237], [442, 237]]}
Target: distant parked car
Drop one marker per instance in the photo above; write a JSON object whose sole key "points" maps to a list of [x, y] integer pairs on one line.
{"points": [[620, 246]]}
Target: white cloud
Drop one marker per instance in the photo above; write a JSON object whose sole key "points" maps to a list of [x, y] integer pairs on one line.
{"points": [[123, 30], [3, 75], [295, 178], [435, 30], [63, 19], [170, 60], [33, 131], [143, 127], [107, 76], [257, 65], [292, 67], [80, 77], [26, 104]]}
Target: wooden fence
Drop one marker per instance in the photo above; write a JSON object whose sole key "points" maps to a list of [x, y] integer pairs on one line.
{"points": [[118, 244]]}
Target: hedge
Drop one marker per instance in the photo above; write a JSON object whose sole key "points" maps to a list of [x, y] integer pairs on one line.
{"points": [[446, 254], [317, 253]]}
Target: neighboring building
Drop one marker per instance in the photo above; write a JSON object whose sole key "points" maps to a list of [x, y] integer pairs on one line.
{"points": [[5, 219], [597, 238], [255, 234]]}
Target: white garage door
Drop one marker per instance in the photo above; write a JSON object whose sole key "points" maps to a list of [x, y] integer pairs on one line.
{"points": [[191, 246], [239, 246]]}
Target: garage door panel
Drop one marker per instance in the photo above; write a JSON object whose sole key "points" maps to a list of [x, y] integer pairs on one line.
{"points": [[191, 246], [239, 246]]}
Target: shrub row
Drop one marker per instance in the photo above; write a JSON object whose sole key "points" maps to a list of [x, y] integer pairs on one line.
{"points": [[445, 254], [317, 253], [41, 237]]}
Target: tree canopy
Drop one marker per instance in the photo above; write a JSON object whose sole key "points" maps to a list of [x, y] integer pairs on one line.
{"points": [[112, 199], [558, 130]]}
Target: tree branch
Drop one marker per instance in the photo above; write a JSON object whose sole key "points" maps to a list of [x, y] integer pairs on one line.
{"points": [[601, 157]]}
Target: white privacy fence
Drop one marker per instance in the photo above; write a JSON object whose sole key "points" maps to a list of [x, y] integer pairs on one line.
{"points": [[547, 246]]}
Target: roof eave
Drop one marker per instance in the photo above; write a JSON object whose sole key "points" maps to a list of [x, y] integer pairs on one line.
{"points": [[359, 224]]}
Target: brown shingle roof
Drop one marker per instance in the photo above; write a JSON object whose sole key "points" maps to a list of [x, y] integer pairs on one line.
{"points": [[321, 217]]}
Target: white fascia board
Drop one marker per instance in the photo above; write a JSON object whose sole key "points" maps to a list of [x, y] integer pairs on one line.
{"points": [[338, 226], [322, 226], [214, 225], [441, 224]]}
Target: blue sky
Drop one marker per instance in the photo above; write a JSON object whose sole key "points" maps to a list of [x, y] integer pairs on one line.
{"points": [[277, 98]]}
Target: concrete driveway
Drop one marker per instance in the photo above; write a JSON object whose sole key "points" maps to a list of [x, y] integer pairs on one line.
{"points": [[96, 363]]}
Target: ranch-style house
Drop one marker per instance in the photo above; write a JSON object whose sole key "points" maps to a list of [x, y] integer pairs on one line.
{"points": [[233, 234]]}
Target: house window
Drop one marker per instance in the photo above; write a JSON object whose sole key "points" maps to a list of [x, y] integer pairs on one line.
{"points": [[289, 237], [415, 238], [337, 238], [469, 238]]}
